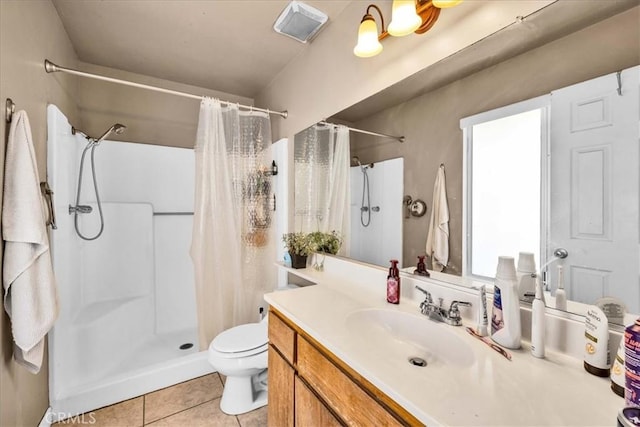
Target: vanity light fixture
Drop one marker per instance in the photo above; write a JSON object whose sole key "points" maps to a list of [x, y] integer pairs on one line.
{"points": [[407, 16]]}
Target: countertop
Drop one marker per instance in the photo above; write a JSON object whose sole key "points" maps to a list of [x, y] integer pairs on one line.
{"points": [[492, 391]]}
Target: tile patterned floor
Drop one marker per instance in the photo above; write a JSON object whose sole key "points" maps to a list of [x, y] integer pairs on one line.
{"points": [[194, 403]]}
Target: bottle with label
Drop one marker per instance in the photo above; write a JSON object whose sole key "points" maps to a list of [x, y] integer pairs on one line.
{"points": [[632, 364], [526, 275], [505, 317], [393, 283]]}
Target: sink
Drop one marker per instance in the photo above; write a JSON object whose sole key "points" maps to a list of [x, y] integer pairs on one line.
{"points": [[398, 334]]}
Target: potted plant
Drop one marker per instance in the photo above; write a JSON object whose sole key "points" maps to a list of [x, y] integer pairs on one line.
{"points": [[298, 245], [328, 243], [324, 243]]}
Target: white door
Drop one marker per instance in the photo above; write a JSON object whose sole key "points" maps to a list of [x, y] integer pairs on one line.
{"points": [[594, 188]]}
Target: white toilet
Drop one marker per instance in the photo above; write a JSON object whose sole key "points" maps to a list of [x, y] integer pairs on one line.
{"points": [[240, 353]]}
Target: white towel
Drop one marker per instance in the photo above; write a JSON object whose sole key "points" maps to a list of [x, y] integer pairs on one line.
{"points": [[30, 297], [438, 237]]}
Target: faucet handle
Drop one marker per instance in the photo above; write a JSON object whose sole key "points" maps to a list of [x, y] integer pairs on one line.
{"points": [[454, 317], [455, 305], [427, 294]]}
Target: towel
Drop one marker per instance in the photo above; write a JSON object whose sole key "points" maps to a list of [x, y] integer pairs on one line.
{"points": [[438, 236], [30, 297]]}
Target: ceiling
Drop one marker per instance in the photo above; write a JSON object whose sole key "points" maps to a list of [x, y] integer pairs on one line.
{"points": [[225, 45]]}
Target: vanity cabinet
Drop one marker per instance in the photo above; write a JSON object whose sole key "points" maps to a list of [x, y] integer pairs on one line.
{"points": [[310, 386]]}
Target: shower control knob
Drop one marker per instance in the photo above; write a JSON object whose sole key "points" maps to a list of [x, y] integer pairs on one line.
{"points": [[376, 209], [365, 209]]}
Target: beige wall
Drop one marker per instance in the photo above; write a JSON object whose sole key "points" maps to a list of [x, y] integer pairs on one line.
{"points": [[150, 117], [431, 126], [29, 32], [326, 77]]}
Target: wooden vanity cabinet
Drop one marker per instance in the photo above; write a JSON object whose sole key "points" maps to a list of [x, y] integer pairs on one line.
{"points": [[310, 386]]}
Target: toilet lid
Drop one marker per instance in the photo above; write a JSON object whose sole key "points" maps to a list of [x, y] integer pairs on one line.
{"points": [[241, 338]]}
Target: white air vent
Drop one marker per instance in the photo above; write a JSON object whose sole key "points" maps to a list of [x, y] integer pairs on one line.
{"points": [[300, 21]]}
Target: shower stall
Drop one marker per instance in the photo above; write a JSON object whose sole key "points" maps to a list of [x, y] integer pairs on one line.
{"points": [[127, 322], [376, 211]]}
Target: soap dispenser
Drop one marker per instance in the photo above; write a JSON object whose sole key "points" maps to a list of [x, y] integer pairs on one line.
{"points": [[393, 283], [421, 268]]}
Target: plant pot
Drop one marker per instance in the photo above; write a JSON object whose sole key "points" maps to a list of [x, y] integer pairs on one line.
{"points": [[298, 261]]}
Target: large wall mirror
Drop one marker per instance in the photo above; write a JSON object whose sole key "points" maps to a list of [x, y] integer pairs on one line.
{"points": [[502, 70]]}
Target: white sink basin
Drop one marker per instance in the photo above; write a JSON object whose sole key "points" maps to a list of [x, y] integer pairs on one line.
{"points": [[397, 334]]}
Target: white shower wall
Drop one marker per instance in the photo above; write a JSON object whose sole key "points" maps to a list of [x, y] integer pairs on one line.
{"points": [[127, 299], [381, 240]]}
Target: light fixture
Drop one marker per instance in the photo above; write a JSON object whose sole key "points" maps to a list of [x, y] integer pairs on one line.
{"points": [[368, 39], [408, 16], [404, 18], [443, 4]]}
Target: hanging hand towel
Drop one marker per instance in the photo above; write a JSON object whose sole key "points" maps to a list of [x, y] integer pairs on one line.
{"points": [[438, 237], [30, 297]]}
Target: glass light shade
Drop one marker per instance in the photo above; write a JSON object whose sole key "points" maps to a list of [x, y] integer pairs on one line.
{"points": [[368, 43], [443, 4], [404, 19]]}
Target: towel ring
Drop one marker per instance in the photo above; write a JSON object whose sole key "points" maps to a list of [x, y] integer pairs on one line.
{"points": [[9, 109]]}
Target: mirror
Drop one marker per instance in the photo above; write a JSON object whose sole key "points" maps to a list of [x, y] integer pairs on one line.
{"points": [[426, 108]]}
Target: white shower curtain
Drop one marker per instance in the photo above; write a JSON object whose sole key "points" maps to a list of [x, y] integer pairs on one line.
{"points": [[322, 199], [233, 245], [339, 210]]}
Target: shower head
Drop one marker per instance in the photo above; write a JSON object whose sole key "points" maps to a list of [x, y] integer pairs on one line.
{"points": [[356, 161], [117, 128]]}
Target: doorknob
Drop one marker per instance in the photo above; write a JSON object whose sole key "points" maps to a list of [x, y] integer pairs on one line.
{"points": [[561, 253]]}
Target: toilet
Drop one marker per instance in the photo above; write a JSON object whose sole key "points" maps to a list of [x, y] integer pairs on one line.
{"points": [[240, 354]]}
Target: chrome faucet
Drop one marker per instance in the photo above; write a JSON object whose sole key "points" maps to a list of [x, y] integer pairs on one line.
{"points": [[438, 313]]}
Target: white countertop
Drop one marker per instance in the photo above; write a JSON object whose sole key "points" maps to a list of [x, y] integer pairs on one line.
{"points": [[526, 391]]}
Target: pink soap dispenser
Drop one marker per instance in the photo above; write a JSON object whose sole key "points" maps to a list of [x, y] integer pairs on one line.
{"points": [[393, 283]]}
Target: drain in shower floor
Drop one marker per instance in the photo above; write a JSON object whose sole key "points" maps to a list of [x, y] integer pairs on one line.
{"points": [[186, 346]]}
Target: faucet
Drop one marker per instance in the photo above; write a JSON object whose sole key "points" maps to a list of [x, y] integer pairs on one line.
{"points": [[438, 313]]}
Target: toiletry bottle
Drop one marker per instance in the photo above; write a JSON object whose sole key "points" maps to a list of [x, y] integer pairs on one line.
{"points": [[505, 317], [597, 360], [526, 275], [632, 364], [421, 268], [393, 283], [618, 371], [483, 322], [538, 323], [561, 295]]}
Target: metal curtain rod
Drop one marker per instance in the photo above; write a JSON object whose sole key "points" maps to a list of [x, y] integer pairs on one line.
{"points": [[368, 132], [50, 67]]}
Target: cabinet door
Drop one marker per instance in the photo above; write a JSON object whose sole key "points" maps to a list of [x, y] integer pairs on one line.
{"points": [[281, 383], [310, 411]]}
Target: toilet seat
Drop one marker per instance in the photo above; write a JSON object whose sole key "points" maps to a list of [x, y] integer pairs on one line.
{"points": [[241, 341]]}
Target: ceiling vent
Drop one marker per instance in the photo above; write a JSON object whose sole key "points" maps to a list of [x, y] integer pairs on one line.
{"points": [[300, 21]]}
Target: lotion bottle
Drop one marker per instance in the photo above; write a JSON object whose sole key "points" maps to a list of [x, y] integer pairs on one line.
{"points": [[597, 360], [538, 324], [505, 317], [561, 295], [393, 283]]}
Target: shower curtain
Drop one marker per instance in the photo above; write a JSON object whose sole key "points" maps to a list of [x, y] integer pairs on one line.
{"points": [[233, 247], [322, 197]]}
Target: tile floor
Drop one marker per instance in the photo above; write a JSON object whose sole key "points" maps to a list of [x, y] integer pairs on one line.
{"points": [[194, 403]]}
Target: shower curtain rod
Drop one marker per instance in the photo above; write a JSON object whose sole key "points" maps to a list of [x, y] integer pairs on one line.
{"points": [[368, 132], [50, 67]]}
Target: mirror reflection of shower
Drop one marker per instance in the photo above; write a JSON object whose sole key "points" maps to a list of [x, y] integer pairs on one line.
{"points": [[365, 205], [86, 209]]}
